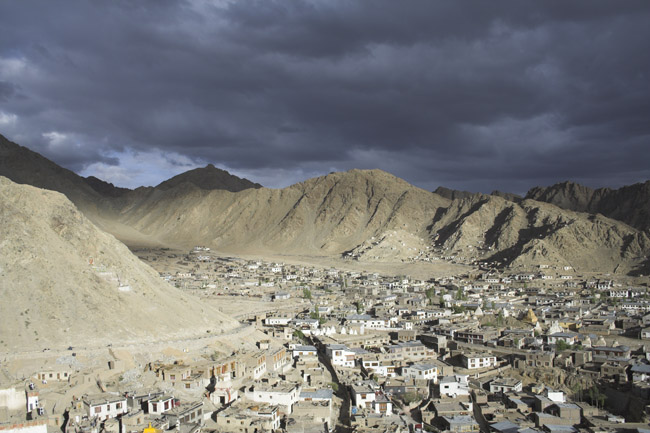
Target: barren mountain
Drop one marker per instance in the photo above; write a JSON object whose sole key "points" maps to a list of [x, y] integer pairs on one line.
{"points": [[533, 233], [453, 194], [210, 177], [327, 214], [507, 195], [24, 166], [367, 215], [372, 215], [630, 204], [105, 188], [65, 282]]}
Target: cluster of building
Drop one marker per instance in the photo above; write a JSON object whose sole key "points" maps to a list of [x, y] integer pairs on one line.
{"points": [[548, 351]]}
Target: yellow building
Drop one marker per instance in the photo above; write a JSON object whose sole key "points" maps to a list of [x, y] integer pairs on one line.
{"points": [[151, 429]]}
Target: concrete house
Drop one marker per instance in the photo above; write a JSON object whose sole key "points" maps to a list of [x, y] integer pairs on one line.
{"points": [[363, 394], [460, 424], [421, 371], [372, 364], [474, 360], [105, 406], [186, 413], [340, 355], [282, 394], [505, 384], [250, 418], [453, 386], [302, 352], [256, 365], [160, 404]]}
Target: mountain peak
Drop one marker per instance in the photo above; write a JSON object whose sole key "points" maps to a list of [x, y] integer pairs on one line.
{"points": [[105, 188], [210, 177]]}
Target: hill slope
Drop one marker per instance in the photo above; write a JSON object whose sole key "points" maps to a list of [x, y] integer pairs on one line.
{"points": [[65, 282], [24, 166], [530, 233], [327, 214], [372, 215], [630, 204]]}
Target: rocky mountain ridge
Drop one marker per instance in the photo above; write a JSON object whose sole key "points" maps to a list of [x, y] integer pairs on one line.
{"points": [[368, 215], [630, 204]]}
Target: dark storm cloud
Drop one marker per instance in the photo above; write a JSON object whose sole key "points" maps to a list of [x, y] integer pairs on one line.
{"points": [[473, 95]]}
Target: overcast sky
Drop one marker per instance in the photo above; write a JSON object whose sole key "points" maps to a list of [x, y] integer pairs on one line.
{"points": [[477, 95]]}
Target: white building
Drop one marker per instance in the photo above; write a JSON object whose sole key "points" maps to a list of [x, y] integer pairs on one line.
{"points": [[421, 371], [278, 320], [478, 360], [283, 394], [304, 352], [340, 355], [505, 384], [105, 406], [380, 367], [32, 400], [554, 396], [453, 386], [160, 405], [364, 394], [281, 296]]}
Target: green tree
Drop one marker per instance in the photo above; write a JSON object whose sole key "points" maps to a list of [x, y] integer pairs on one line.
{"points": [[409, 397], [458, 309], [430, 293], [299, 335], [561, 345], [306, 293], [596, 397]]}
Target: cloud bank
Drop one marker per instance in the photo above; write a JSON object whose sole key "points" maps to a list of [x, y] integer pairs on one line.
{"points": [[472, 95]]}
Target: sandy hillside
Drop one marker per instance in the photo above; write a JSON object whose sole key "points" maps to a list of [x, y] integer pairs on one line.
{"points": [[65, 282]]}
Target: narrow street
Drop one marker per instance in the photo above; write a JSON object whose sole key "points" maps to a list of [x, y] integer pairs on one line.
{"points": [[343, 424], [478, 416]]}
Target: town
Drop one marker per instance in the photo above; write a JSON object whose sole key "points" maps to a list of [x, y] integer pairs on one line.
{"points": [[327, 349]]}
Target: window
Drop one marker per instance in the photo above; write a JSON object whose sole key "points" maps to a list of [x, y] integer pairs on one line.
{"points": [[118, 405], [98, 409]]}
